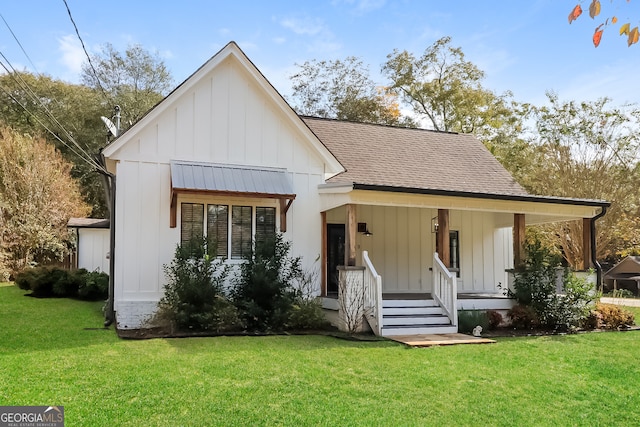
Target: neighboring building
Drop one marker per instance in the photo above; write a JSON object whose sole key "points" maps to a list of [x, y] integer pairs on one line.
{"points": [[92, 243], [225, 155]]}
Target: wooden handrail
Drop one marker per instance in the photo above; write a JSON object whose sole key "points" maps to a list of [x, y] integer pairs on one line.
{"points": [[445, 289], [372, 294]]}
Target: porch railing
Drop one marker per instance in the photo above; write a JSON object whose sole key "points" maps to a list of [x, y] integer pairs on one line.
{"points": [[445, 289], [372, 295]]}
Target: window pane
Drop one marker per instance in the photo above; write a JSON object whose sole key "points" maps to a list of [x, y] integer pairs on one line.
{"points": [[240, 231], [218, 229], [191, 222], [265, 224]]}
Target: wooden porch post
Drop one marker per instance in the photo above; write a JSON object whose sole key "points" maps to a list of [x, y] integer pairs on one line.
{"points": [[518, 240], [350, 236], [586, 243], [443, 237], [323, 257]]}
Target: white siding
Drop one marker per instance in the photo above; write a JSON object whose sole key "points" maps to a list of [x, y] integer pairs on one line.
{"points": [[93, 248], [224, 118], [402, 245]]}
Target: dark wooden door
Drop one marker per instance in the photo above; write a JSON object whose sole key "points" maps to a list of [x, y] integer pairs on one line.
{"points": [[335, 255]]}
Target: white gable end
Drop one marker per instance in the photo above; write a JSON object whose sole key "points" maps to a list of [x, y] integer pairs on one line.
{"points": [[225, 113]]}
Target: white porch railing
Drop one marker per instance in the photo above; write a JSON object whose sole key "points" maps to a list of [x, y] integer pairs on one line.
{"points": [[372, 295], [445, 289]]}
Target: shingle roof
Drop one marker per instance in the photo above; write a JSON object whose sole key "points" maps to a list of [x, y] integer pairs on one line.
{"points": [[413, 158], [88, 223]]}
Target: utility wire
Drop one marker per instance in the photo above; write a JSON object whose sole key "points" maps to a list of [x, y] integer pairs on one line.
{"points": [[15, 75], [30, 61], [90, 161], [95, 73]]}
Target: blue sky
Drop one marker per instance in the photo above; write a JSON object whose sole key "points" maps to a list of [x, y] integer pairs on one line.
{"points": [[525, 46]]}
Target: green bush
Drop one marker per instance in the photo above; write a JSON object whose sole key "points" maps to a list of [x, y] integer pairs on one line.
{"points": [[194, 296], [469, 319], [263, 291], [94, 286], [49, 282], [535, 287], [307, 314]]}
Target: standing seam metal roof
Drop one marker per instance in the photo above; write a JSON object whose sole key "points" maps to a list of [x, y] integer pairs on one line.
{"points": [[229, 178]]}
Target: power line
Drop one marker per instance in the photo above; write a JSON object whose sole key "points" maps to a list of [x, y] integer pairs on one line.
{"points": [[95, 73], [82, 154], [19, 44]]}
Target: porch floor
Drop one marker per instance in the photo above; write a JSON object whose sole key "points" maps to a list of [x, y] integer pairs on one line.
{"points": [[425, 340]]}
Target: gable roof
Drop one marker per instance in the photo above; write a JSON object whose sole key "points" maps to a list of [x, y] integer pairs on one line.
{"points": [[413, 158], [231, 50], [387, 158], [628, 267]]}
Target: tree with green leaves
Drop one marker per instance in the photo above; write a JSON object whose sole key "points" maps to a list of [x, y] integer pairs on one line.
{"points": [[136, 80], [445, 90], [588, 150], [37, 198], [343, 90], [37, 104]]}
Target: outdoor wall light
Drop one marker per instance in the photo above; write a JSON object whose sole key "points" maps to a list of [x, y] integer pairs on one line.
{"points": [[434, 224], [362, 228]]}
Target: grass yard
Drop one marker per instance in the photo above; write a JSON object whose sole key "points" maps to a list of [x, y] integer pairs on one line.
{"points": [[49, 355]]}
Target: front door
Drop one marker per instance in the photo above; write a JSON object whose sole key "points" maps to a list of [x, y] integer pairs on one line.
{"points": [[335, 256]]}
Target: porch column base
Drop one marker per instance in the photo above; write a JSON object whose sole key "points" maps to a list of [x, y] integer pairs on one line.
{"points": [[351, 309]]}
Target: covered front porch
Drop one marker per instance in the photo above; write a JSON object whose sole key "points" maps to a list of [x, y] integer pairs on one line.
{"points": [[419, 258]]}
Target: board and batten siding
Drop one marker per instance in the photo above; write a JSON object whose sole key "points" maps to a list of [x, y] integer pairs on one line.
{"points": [[402, 245], [224, 118], [93, 248]]}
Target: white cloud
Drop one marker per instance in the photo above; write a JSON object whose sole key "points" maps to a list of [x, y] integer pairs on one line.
{"points": [[303, 26], [362, 6], [72, 54], [279, 40]]}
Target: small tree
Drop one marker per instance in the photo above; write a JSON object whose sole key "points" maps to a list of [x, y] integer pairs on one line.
{"points": [[37, 198], [194, 295], [351, 304], [263, 290]]}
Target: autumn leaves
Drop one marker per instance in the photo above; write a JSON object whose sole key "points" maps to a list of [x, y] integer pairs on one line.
{"points": [[594, 10]]}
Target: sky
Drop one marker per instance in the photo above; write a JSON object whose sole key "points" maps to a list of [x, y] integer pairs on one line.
{"points": [[526, 47]]}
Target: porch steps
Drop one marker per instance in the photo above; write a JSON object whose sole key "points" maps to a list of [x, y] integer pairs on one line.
{"points": [[414, 316]]}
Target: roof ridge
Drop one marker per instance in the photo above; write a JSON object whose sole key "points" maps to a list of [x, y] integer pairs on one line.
{"points": [[446, 132]]}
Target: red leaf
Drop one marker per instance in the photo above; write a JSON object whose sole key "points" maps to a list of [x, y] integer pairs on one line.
{"points": [[597, 36], [577, 11]]}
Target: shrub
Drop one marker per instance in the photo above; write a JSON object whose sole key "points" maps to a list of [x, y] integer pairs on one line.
{"points": [[535, 286], [469, 319], [263, 291], [622, 293], [194, 296], [47, 282], [523, 317], [94, 286], [613, 317], [495, 319], [306, 311]]}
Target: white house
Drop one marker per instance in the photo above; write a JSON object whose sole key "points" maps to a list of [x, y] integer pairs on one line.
{"points": [[226, 156]]}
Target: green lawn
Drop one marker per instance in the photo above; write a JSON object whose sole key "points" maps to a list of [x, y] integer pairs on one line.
{"points": [[49, 357]]}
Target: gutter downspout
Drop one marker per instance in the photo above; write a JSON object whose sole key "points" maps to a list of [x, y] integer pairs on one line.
{"points": [[110, 185], [594, 258]]}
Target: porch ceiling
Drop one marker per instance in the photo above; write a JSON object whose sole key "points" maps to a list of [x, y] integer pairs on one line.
{"points": [[538, 210]]}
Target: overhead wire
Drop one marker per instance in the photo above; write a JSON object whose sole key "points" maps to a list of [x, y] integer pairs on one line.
{"points": [[25, 87], [78, 151], [15, 37], [93, 69]]}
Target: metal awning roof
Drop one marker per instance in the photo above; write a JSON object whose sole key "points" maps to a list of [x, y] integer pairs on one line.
{"points": [[230, 180]]}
